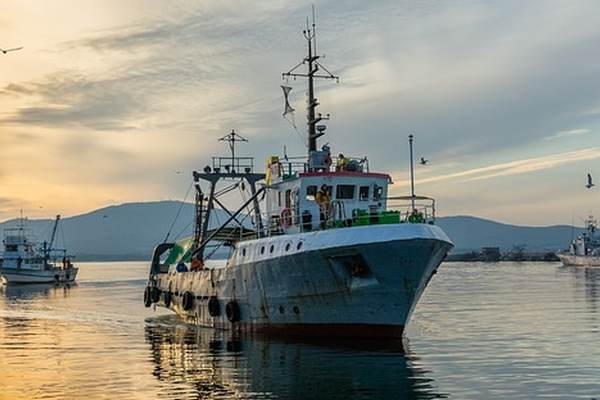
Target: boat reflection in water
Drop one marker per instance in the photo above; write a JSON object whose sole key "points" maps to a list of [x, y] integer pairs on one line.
{"points": [[587, 280], [35, 290], [203, 363]]}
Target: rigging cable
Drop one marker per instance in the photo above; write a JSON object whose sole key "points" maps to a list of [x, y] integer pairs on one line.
{"points": [[178, 211]]}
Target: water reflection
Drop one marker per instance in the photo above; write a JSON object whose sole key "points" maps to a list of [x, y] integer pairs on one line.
{"points": [[586, 279], [33, 291], [201, 363]]}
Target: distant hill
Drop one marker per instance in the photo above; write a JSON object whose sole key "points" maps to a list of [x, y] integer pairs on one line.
{"points": [[472, 233], [130, 231], [125, 232]]}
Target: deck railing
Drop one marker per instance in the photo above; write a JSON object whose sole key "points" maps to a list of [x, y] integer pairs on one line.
{"points": [[292, 166], [400, 210]]}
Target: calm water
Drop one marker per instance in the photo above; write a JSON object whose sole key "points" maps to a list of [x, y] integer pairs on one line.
{"points": [[496, 331]]}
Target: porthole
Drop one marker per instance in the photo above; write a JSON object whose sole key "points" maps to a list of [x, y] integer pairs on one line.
{"points": [[281, 310], [296, 310], [299, 246], [272, 249], [288, 246], [262, 249]]}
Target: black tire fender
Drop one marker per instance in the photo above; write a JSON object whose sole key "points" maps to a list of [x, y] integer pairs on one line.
{"points": [[214, 307], [187, 301], [232, 310], [155, 294], [167, 297], [147, 299]]}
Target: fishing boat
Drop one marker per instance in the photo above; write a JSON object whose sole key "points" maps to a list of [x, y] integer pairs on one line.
{"points": [[317, 246], [584, 250], [25, 261]]}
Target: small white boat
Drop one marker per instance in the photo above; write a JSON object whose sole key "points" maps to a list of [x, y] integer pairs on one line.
{"points": [[24, 261], [584, 250]]}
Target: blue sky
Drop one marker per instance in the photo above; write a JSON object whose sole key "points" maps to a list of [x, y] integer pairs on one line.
{"points": [[109, 99]]}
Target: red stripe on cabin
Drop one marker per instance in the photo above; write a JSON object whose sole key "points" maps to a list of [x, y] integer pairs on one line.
{"points": [[346, 173]]}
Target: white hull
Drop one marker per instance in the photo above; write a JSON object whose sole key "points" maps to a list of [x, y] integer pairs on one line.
{"points": [[312, 290], [579, 261], [21, 276]]}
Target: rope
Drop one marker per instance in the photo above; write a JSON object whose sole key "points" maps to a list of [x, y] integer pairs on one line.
{"points": [[183, 230], [298, 133], [178, 212]]}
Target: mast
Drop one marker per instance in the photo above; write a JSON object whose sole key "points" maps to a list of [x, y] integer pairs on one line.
{"points": [[53, 233], [412, 171], [231, 138], [313, 66]]}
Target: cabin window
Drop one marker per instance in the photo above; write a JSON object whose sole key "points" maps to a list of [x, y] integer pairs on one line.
{"points": [[262, 250], [345, 192], [363, 193], [11, 247], [278, 199], [311, 192], [377, 192]]}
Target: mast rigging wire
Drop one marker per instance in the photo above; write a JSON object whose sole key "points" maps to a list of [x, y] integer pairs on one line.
{"points": [[178, 211]]}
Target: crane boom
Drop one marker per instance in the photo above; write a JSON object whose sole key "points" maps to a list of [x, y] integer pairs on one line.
{"points": [[54, 229]]}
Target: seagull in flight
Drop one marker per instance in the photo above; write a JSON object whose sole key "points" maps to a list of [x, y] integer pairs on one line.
{"points": [[8, 50], [589, 182], [423, 161]]}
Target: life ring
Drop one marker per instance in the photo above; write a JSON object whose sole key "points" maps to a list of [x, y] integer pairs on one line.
{"points": [[232, 310], [187, 301], [147, 299], [286, 218], [214, 307], [155, 294], [167, 297]]}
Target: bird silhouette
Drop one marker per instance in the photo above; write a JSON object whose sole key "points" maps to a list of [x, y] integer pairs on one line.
{"points": [[9, 50], [423, 161], [589, 182]]}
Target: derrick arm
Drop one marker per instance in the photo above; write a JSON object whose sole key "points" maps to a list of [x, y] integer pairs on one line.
{"points": [[231, 218]]}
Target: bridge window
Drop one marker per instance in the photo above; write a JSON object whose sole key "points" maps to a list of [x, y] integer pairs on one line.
{"points": [[311, 192], [363, 193], [345, 192], [377, 192]]}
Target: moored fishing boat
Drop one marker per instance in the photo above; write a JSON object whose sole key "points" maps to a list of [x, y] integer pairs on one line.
{"points": [[332, 253], [25, 261], [584, 250]]}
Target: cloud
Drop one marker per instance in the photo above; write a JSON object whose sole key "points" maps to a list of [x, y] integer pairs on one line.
{"points": [[512, 168], [568, 133], [69, 99]]}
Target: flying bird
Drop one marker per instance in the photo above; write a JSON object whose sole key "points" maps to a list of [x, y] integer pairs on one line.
{"points": [[423, 161], [589, 182], [8, 50]]}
